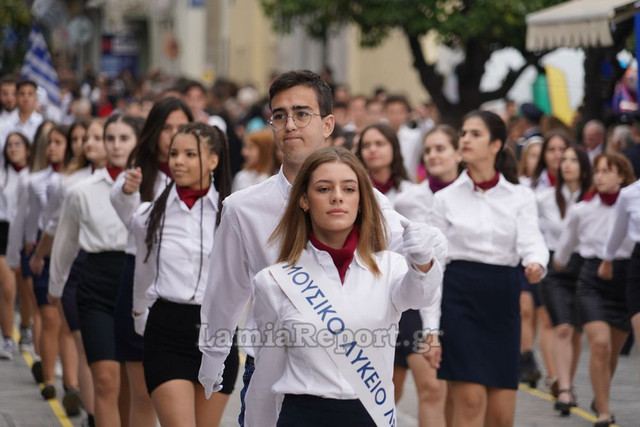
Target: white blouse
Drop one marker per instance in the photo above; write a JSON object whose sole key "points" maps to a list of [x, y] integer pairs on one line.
{"points": [[179, 274], [551, 223], [88, 222], [9, 187], [17, 232], [498, 226], [126, 204], [56, 189], [367, 302], [626, 223], [37, 200], [394, 193], [585, 230], [416, 203]]}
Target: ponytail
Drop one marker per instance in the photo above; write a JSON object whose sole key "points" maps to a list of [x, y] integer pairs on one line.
{"points": [[507, 165]]}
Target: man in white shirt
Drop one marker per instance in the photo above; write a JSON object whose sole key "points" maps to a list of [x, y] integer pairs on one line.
{"points": [[396, 111], [24, 119], [593, 136], [302, 120]]}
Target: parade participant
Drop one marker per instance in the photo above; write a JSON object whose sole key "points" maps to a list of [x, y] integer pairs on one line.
{"points": [[144, 181], [559, 290], [24, 119], [301, 121], [7, 98], [442, 160], [535, 317], [175, 231], [15, 154], [626, 223], [58, 156], [397, 111], [89, 223], [529, 159], [379, 151], [258, 151], [93, 156], [332, 233], [492, 228], [601, 303]]}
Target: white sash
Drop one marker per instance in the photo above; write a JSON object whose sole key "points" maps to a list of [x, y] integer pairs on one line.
{"points": [[302, 284]]}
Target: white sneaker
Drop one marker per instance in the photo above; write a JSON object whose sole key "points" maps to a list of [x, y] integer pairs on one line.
{"points": [[8, 349], [26, 340]]}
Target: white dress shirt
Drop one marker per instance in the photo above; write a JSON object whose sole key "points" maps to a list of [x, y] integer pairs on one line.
{"points": [[88, 222], [551, 224], [174, 274], [587, 225], [126, 204], [37, 193], [626, 223], [9, 186], [411, 149], [416, 203], [249, 217], [498, 226], [57, 188], [17, 233], [366, 302], [246, 178], [13, 124], [394, 192]]}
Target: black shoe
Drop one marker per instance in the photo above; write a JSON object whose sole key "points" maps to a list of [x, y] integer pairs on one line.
{"points": [[71, 402], [36, 371], [529, 372], [605, 423], [565, 407], [48, 392]]}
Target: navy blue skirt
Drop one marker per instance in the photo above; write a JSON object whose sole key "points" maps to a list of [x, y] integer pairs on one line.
{"points": [[69, 295], [129, 345], [480, 324]]}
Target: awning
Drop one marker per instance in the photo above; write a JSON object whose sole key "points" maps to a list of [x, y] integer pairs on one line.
{"points": [[577, 23]]}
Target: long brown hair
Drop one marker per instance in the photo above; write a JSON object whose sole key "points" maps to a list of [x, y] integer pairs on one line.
{"points": [[398, 171], [294, 228], [263, 140]]}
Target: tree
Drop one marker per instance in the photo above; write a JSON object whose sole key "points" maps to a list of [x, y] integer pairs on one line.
{"points": [[15, 19], [476, 27]]}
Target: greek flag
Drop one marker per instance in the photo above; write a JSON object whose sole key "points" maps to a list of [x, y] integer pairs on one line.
{"points": [[39, 67]]}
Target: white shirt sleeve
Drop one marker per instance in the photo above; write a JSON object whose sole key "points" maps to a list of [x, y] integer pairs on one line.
{"points": [[529, 240], [65, 245], [262, 403], [228, 292], [145, 272], [419, 290], [619, 228], [125, 205], [568, 242], [55, 194], [33, 212], [17, 227]]}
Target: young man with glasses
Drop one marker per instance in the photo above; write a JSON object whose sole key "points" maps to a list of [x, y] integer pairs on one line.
{"points": [[302, 120]]}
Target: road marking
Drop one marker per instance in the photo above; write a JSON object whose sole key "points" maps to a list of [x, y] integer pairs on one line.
{"points": [[586, 415], [54, 404]]}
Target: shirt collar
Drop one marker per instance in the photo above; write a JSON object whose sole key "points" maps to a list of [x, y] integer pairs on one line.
{"points": [[212, 196], [102, 173], [325, 258], [466, 180], [283, 184]]}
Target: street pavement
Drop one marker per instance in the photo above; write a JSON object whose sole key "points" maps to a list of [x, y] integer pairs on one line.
{"points": [[22, 406]]}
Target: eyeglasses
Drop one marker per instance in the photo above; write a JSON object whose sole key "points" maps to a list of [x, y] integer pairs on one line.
{"points": [[301, 118]]}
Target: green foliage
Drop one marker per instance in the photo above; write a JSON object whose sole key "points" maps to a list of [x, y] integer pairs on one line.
{"points": [[496, 23], [14, 14]]}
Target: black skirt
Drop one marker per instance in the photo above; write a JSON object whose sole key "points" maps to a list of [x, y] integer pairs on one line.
{"points": [[129, 345], [559, 293], [603, 300], [409, 337], [314, 411], [96, 298], [4, 237], [171, 349], [633, 282], [70, 293], [480, 324]]}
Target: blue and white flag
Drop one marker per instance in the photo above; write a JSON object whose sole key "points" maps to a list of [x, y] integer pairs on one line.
{"points": [[39, 67]]}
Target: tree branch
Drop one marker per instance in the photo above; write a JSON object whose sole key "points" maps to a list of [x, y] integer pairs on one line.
{"points": [[429, 77], [509, 80]]}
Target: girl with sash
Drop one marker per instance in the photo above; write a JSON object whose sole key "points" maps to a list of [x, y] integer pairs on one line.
{"points": [[602, 305], [174, 235], [332, 241], [379, 151], [148, 175], [442, 160], [491, 224], [559, 287], [88, 222]]}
